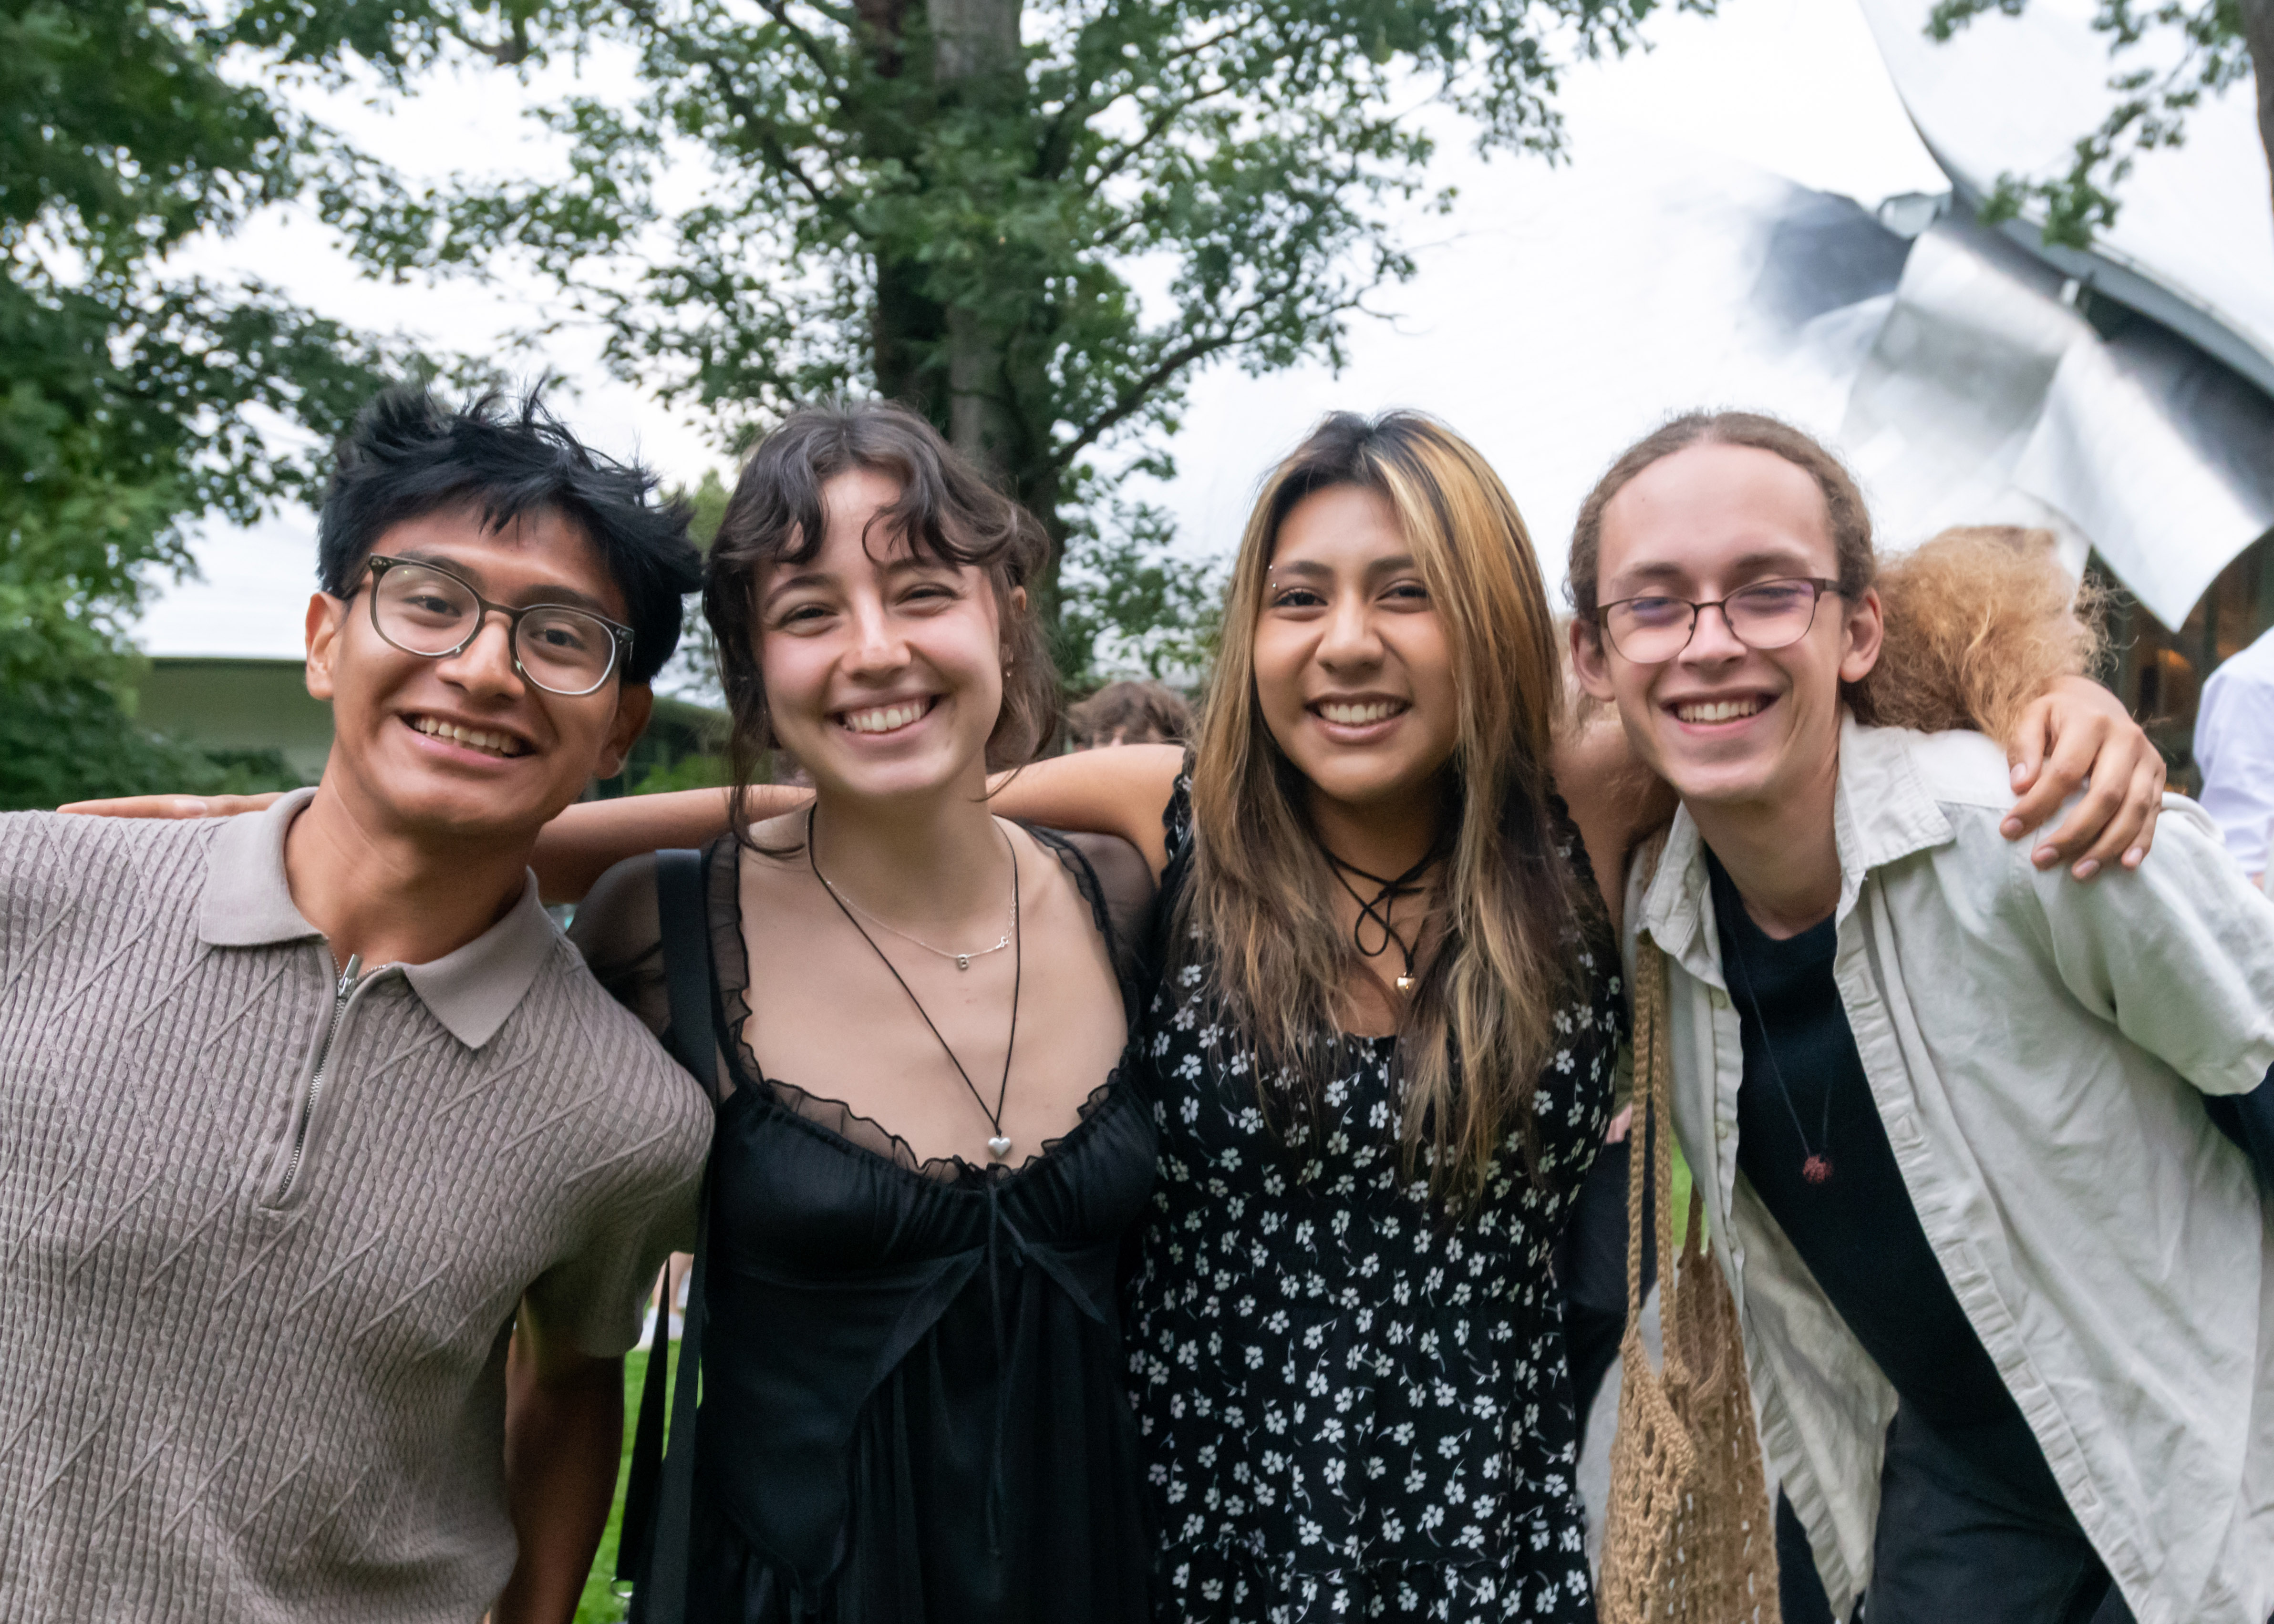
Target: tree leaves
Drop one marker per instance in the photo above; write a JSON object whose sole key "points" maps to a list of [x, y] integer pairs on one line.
{"points": [[970, 233], [132, 401], [2208, 53]]}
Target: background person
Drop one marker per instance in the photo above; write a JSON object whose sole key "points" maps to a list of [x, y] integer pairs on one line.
{"points": [[334, 1183], [1946, 1110], [1130, 713], [2234, 750]]}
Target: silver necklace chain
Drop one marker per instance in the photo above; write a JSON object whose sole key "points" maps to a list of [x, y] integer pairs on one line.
{"points": [[962, 960], [999, 1146]]}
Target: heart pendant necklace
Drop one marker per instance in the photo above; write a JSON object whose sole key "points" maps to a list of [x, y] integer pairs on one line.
{"points": [[998, 1144], [1816, 1165]]}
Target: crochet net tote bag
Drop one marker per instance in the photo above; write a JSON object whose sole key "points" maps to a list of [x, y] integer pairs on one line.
{"points": [[1687, 1537]]}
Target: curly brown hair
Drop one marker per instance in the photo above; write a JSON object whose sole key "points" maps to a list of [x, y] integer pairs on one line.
{"points": [[946, 509], [1980, 621]]}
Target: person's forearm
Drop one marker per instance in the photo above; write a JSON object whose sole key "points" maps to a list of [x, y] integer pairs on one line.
{"points": [[1119, 791], [1614, 801], [592, 837], [563, 1441]]}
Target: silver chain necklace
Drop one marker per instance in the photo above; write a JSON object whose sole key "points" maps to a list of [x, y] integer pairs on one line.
{"points": [[999, 1146], [962, 960]]}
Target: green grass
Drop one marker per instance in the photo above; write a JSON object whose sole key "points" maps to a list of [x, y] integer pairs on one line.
{"points": [[600, 1604]]}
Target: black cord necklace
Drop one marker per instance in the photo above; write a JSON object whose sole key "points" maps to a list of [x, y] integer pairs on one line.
{"points": [[1816, 1167], [999, 1146], [1379, 910]]}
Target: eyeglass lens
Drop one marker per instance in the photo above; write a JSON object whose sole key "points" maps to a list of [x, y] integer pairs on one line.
{"points": [[424, 612], [1769, 614]]}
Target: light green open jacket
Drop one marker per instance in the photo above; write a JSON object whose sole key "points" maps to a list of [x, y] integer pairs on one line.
{"points": [[2036, 1047]]}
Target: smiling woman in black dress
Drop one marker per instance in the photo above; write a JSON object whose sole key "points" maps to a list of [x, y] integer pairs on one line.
{"points": [[928, 1147]]}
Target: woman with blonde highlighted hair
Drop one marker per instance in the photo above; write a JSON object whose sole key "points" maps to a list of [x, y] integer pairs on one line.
{"points": [[1380, 1053], [1469, 789]]}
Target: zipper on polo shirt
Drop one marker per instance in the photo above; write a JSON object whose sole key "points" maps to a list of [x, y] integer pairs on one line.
{"points": [[341, 994]]}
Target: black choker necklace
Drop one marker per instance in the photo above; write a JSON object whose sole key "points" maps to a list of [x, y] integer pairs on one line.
{"points": [[1379, 910]]}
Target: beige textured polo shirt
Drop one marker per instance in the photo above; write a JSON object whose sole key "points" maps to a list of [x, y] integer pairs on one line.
{"points": [[262, 1236]]}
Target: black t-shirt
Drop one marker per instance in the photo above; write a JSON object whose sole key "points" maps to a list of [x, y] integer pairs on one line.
{"points": [[1804, 1094]]}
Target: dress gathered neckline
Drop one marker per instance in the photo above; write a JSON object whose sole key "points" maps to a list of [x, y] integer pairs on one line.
{"points": [[953, 1171], [864, 1133], [912, 1408]]}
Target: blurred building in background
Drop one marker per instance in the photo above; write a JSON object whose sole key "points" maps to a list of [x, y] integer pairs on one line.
{"points": [[256, 710], [2122, 397]]}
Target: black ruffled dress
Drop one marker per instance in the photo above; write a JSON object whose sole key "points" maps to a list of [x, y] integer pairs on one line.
{"points": [[914, 1409]]}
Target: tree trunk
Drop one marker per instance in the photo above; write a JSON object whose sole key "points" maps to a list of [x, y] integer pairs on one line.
{"points": [[2258, 34], [973, 39], [975, 56], [902, 324]]}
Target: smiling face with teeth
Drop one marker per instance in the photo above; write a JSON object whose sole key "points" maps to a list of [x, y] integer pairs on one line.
{"points": [[1727, 725], [883, 666], [462, 744], [1353, 672]]}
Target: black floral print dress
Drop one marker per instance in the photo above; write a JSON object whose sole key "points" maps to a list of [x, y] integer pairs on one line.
{"points": [[1355, 1402]]}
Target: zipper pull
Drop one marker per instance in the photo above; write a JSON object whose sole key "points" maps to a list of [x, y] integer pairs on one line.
{"points": [[348, 978]]}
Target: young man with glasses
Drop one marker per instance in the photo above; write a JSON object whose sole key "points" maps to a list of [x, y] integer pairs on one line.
{"points": [[333, 1186], [1947, 1110]]}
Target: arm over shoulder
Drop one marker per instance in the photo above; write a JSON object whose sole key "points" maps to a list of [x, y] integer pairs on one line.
{"points": [[618, 930], [1119, 791]]}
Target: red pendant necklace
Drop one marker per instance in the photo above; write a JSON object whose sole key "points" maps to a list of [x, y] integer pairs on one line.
{"points": [[1816, 1164]]}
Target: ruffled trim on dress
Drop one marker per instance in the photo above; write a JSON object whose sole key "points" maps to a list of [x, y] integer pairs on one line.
{"points": [[730, 966]]}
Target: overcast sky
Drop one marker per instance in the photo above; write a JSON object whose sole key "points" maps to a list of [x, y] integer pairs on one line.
{"points": [[1559, 311]]}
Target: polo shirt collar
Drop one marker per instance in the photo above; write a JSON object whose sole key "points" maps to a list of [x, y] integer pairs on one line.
{"points": [[247, 902], [1881, 811]]}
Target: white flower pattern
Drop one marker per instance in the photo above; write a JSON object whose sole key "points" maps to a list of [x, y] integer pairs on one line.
{"points": [[1355, 1400]]}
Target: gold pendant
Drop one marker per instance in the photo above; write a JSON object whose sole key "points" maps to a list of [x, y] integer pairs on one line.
{"points": [[1405, 983]]}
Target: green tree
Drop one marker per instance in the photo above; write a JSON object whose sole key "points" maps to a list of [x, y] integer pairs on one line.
{"points": [[2211, 45], [130, 398], [955, 202]]}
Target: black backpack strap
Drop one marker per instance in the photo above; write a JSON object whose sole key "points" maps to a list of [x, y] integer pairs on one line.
{"points": [[659, 1495]]}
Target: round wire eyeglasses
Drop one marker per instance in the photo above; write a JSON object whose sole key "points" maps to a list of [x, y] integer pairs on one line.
{"points": [[1651, 629], [426, 610]]}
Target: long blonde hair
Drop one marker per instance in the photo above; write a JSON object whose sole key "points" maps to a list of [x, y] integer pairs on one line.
{"points": [[1479, 1026]]}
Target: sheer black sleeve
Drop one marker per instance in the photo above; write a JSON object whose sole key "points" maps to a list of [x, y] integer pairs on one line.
{"points": [[1124, 891], [620, 936]]}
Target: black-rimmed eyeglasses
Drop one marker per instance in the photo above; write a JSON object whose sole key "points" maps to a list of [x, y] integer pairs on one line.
{"points": [[1769, 614], [424, 609]]}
